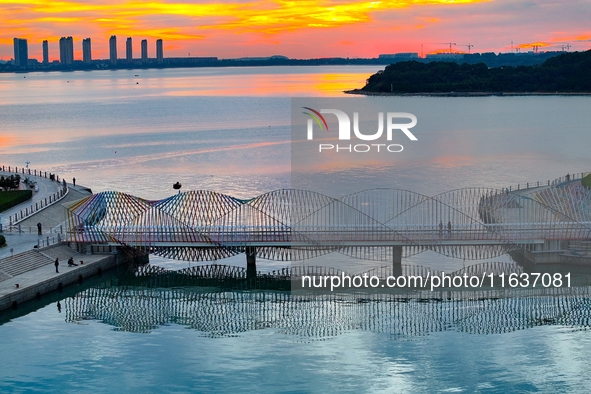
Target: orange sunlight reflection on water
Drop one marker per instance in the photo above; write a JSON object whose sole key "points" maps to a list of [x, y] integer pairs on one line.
{"points": [[6, 141], [289, 85]]}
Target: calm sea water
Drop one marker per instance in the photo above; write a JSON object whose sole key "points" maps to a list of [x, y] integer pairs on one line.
{"points": [[228, 130]]}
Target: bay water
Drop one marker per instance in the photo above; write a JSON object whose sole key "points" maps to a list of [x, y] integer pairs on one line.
{"points": [[228, 130]]}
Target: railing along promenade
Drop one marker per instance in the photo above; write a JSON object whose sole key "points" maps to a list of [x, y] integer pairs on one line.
{"points": [[565, 178], [28, 211]]}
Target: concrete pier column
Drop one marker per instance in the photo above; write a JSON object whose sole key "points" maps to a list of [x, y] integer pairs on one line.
{"points": [[251, 262], [397, 260]]}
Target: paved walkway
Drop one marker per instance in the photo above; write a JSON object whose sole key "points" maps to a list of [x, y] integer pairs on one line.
{"points": [[27, 271], [18, 243], [33, 272], [51, 218], [46, 188]]}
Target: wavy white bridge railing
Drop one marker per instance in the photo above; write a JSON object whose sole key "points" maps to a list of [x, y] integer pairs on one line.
{"points": [[294, 224]]}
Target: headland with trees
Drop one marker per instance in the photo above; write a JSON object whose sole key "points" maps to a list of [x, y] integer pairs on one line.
{"points": [[568, 73]]}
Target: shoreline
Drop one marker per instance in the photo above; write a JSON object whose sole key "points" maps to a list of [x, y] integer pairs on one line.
{"points": [[466, 94]]}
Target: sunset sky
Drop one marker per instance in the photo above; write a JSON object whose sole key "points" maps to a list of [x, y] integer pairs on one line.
{"points": [[299, 29]]}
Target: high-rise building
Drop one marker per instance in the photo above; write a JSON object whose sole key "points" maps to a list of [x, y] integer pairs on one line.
{"points": [[86, 51], [45, 52], [66, 51], [159, 52], [128, 50], [21, 52], [113, 49], [144, 51]]}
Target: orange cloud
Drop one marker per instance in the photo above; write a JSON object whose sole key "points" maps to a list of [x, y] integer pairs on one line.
{"points": [[306, 28], [266, 16], [566, 39], [534, 44], [292, 15]]}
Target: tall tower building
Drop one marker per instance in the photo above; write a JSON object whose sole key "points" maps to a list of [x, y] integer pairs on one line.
{"points": [[128, 50], [159, 52], [86, 51], [66, 51], [21, 52], [144, 51], [113, 49], [45, 52]]}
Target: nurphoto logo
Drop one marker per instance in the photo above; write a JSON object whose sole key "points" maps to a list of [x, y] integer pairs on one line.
{"points": [[344, 122]]}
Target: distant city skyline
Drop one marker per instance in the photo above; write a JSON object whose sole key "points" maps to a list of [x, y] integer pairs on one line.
{"points": [[66, 57], [232, 28]]}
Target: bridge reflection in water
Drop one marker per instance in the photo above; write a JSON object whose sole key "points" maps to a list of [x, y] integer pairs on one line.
{"points": [[154, 297], [221, 313]]}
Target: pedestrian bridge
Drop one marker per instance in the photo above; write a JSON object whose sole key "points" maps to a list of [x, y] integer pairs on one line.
{"points": [[378, 224]]}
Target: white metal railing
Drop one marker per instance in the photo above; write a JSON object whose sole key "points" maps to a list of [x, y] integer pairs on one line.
{"points": [[509, 232], [28, 211], [48, 241]]}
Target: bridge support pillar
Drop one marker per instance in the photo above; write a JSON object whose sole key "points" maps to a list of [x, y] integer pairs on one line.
{"points": [[397, 260], [251, 262]]}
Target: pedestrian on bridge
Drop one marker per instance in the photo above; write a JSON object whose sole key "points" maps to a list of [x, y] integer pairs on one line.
{"points": [[440, 228], [449, 228], [57, 263], [39, 232], [74, 181]]}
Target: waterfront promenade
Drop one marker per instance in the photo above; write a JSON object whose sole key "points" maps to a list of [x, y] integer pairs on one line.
{"points": [[46, 193], [51, 218], [31, 274], [28, 272]]}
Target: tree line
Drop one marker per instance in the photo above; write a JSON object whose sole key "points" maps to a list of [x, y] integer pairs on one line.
{"points": [[566, 73], [10, 182]]}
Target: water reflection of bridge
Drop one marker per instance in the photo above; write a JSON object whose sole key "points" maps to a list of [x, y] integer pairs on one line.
{"points": [[379, 224], [221, 313], [290, 278]]}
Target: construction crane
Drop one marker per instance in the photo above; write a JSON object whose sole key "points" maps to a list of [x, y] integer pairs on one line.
{"points": [[444, 43], [467, 45]]}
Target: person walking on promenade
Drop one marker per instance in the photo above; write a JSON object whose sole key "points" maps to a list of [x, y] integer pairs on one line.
{"points": [[57, 263], [39, 227], [449, 228], [440, 229], [74, 181]]}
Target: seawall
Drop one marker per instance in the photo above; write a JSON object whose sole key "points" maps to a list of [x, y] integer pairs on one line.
{"points": [[38, 276]]}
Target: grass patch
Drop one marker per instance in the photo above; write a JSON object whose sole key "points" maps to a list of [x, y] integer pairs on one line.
{"points": [[11, 198], [586, 181]]}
